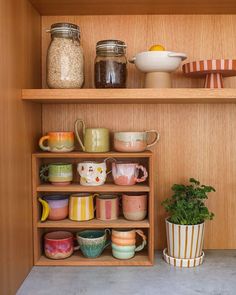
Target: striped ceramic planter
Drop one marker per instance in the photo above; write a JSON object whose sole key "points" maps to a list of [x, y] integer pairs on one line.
{"points": [[184, 241], [179, 262]]}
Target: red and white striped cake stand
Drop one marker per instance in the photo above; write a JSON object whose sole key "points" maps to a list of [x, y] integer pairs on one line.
{"points": [[213, 69]]}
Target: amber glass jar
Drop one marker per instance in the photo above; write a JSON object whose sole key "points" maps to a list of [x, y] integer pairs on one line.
{"points": [[65, 60], [110, 64]]}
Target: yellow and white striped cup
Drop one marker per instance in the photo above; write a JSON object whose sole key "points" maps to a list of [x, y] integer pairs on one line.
{"points": [[81, 207]]}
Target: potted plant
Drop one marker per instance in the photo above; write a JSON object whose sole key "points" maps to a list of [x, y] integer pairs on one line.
{"points": [[186, 223]]}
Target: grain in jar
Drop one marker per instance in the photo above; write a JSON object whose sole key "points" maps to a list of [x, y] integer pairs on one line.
{"points": [[65, 60]]}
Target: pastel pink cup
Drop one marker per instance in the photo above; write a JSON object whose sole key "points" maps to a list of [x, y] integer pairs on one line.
{"points": [[134, 206]]}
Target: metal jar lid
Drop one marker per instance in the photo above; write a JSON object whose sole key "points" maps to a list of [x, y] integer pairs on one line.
{"points": [[111, 46], [65, 28]]}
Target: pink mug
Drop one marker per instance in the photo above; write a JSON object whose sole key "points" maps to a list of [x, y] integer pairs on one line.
{"points": [[134, 206], [107, 207], [127, 173]]}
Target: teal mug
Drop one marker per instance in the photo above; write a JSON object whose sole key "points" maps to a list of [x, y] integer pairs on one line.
{"points": [[57, 173], [92, 242]]}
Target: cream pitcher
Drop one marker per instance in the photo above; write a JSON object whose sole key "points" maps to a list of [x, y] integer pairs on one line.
{"points": [[96, 140]]}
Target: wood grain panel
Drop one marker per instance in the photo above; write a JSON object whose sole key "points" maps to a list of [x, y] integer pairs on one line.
{"points": [[20, 125], [196, 140], [95, 7], [201, 37]]}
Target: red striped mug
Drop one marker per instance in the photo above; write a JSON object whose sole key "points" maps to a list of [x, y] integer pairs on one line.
{"points": [[107, 207]]}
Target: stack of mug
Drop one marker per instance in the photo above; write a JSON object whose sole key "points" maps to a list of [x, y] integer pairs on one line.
{"points": [[81, 206], [97, 140]]}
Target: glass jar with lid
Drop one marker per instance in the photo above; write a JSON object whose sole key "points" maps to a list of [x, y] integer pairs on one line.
{"points": [[110, 64], [65, 60]]}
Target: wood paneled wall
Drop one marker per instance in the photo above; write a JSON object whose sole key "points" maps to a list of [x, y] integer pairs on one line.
{"points": [[19, 128], [196, 140]]}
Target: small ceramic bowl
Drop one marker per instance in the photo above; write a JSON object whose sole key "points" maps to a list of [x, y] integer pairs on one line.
{"points": [[181, 262], [158, 61]]}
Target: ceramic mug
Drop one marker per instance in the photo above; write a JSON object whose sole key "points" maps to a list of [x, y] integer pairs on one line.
{"points": [[92, 173], [59, 244], [81, 206], [123, 243], [107, 207], [134, 206], [127, 173], [134, 141], [58, 142], [93, 242], [125, 237], [58, 206], [96, 140], [58, 173]]}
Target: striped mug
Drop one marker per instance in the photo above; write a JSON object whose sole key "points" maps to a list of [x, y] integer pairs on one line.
{"points": [[81, 207], [107, 207]]}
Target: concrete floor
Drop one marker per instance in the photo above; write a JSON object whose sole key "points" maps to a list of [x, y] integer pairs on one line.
{"points": [[217, 276]]}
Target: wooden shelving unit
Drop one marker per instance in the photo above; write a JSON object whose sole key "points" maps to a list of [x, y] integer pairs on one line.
{"points": [[129, 96], [144, 258]]}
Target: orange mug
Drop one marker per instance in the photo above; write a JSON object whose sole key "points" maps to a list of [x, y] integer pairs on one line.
{"points": [[58, 142]]}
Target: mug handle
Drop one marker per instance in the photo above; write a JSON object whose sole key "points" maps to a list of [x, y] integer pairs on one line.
{"points": [[108, 243], [41, 145], [105, 160], [144, 243], [95, 195], [77, 122], [156, 138], [75, 248], [42, 172], [145, 174]]}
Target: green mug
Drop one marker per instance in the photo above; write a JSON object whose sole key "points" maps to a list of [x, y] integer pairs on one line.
{"points": [[57, 173], [93, 242], [96, 140]]}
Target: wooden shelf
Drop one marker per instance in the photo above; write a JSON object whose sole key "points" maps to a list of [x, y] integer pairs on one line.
{"points": [[106, 259], [97, 7], [130, 96], [73, 155], [100, 188], [95, 223]]}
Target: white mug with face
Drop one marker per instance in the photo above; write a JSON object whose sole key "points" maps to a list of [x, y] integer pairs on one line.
{"points": [[92, 173]]}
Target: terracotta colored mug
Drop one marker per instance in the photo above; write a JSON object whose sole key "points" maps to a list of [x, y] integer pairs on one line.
{"points": [[58, 173], [127, 173], [58, 142], [134, 206], [107, 207], [59, 244], [134, 141], [96, 140]]}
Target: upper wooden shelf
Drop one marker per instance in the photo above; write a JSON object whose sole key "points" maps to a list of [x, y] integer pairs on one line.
{"points": [[130, 96], [72, 155], [96, 7]]}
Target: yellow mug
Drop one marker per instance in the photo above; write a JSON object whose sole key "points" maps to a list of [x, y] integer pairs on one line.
{"points": [[81, 206]]}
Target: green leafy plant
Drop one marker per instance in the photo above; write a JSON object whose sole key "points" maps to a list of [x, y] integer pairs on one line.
{"points": [[186, 206]]}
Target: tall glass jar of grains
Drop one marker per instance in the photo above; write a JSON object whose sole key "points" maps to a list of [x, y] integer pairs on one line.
{"points": [[65, 60], [110, 64]]}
